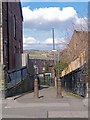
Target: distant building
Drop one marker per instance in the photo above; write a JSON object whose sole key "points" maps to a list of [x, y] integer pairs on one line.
{"points": [[10, 33], [41, 64]]}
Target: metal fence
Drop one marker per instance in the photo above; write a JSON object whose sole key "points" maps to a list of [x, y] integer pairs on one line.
{"points": [[14, 77], [75, 82]]}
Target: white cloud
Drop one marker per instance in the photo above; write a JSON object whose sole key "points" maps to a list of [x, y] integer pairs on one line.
{"points": [[48, 43], [36, 21], [32, 40], [81, 23], [45, 18], [57, 41], [29, 40]]}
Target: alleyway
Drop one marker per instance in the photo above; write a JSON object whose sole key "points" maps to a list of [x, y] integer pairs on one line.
{"points": [[46, 106], [48, 93]]}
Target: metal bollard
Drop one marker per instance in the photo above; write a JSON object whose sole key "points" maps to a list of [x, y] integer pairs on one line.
{"points": [[36, 91]]}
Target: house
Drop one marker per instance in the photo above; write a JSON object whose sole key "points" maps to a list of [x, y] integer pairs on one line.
{"points": [[41, 64]]}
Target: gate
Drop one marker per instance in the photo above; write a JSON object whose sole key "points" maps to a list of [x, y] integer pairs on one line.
{"points": [[46, 79]]}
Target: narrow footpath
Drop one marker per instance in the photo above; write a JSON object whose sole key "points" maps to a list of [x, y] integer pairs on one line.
{"points": [[46, 106]]}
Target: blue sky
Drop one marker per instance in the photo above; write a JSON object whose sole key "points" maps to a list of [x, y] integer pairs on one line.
{"points": [[80, 7], [41, 17], [55, 0]]}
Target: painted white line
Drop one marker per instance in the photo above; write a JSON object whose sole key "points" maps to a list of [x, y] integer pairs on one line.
{"points": [[8, 107], [30, 105]]}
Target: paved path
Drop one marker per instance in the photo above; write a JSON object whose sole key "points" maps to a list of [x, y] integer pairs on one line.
{"points": [[47, 105]]}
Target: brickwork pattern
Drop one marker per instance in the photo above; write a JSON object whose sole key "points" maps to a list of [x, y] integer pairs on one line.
{"points": [[76, 46], [42, 63], [12, 45]]}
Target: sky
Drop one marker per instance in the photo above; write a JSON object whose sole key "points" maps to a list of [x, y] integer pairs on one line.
{"points": [[55, 0], [41, 17]]}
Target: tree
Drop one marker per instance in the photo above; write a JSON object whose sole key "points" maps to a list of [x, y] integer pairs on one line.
{"points": [[47, 69], [60, 66]]}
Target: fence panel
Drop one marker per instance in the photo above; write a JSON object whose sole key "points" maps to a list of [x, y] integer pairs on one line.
{"points": [[24, 74], [16, 76], [74, 82]]}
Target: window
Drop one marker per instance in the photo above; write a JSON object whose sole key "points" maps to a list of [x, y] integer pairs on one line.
{"points": [[5, 49], [14, 26], [19, 47], [15, 50], [0, 13]]}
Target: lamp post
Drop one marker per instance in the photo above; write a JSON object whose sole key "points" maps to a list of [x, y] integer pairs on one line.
{"points": [[59, 90], [54, 51], [57, 80]]}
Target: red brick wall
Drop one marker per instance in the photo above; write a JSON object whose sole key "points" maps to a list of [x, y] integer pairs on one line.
{"points": [[10, 10]]}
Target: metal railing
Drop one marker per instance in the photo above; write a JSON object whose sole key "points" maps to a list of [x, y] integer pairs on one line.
{"points": [[14, 77]]}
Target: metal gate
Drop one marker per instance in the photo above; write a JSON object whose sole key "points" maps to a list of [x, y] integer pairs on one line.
{"points": [[46, 79]]}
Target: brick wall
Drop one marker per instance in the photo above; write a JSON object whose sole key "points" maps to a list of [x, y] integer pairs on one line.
{"points": [[42, 63], [0, 31], [89, 60], [76, 46], [12, 43]]}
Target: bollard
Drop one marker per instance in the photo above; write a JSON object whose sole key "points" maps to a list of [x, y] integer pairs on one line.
{"points": [[36, 92], [55, 82], [59, 90]]}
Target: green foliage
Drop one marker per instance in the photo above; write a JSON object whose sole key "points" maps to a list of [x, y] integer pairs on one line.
{"points": [[47, 69], [43, 82], [60, 66]]}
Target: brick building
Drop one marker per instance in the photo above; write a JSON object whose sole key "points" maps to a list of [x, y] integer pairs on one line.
{"points": [[75, 76], [76, 46], [10, 32], [41, 64]]}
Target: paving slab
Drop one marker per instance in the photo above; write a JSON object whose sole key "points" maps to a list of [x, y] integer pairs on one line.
{"points": [[67, 114], [47, 105]]}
